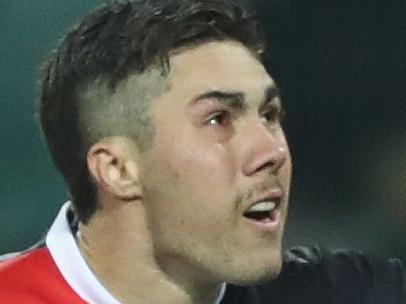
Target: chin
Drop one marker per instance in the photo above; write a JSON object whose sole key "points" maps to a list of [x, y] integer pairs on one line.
{"points": [[257, 273]]}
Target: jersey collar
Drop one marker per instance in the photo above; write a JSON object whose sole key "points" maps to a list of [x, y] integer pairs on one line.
{"points": [[70, 262]]}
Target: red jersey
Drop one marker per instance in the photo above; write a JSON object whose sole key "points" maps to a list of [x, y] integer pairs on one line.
{"points": [[54, 272], [33, 277]]}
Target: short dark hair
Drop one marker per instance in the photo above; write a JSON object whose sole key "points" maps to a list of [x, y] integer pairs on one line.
{"points": [[117, 40]]}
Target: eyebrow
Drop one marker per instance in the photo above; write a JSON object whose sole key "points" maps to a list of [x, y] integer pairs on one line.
{"points": [[271, 93], [236, 99], [232, 99]]}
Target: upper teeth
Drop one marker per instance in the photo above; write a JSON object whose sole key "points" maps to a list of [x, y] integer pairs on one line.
{"points": [[263, 206]]}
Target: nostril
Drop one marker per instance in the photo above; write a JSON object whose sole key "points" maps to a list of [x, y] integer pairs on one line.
{"points": [[268, 165], [266, 160]]}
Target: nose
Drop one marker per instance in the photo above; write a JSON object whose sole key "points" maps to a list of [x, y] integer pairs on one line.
{"points": [[267, 149]]}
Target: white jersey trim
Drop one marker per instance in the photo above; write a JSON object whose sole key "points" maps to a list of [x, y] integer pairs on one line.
{"points": [[67, 257], [70, 262]]}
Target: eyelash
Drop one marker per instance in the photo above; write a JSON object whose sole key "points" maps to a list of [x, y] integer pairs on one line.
{"points": [[273, 115], [223, 116]]}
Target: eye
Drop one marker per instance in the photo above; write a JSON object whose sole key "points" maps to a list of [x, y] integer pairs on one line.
{"points": [[221, 118], [273, 115]]}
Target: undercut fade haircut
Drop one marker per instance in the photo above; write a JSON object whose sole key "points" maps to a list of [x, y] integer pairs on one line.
{"points": [[114, 42]]}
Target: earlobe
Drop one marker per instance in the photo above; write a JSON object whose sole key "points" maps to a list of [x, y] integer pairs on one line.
{"points": [[115, 169]]}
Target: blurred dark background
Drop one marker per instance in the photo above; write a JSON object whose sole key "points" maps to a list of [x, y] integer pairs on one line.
{"points": [[341, 67]]}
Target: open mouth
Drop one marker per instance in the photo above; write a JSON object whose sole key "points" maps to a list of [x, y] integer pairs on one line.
{"points": [[260, 216], [261, 211]]}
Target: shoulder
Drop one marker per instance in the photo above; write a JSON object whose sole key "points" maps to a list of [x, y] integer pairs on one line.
{"points": [[33, 277], [342, 264], [14, 267], [317, 275], [342, 276]]}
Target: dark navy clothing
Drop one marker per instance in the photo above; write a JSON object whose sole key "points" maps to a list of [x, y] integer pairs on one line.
{"points": [[321, 276]]}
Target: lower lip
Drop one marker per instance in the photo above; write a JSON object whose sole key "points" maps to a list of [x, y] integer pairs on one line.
{"points": [[271, 224]]}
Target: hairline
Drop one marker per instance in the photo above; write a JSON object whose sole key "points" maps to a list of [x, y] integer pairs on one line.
{"points": [[112, 93]]}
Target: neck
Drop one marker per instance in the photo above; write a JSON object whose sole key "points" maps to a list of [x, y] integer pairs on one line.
{"points": [[117, 246]]}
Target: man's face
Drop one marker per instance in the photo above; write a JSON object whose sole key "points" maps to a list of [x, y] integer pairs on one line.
{"points": [[218, 150]]}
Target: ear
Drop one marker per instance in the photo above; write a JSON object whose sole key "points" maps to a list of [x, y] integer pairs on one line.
{"points": [[113, 164]]}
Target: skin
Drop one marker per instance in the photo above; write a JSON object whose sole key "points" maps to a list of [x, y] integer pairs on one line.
{"points": [[171, 227]]}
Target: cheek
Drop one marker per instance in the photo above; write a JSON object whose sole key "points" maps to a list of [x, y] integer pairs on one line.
{"points": [[188, 176], [190, 188], [288, 165], [192, 157], [285, 176]]}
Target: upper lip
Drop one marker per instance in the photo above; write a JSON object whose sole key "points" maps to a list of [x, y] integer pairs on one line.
{"points": [[272, 194]]}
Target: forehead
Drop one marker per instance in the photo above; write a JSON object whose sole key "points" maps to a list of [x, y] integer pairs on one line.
{"points": [[218, 65]]}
